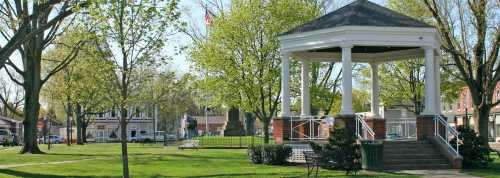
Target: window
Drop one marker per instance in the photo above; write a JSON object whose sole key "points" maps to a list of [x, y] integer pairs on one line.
{"points": [[101, 114], [113, 113]]}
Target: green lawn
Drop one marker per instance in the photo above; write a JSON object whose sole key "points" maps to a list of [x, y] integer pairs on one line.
{"points": [[229, 141], [149, 161], [492, 172]]}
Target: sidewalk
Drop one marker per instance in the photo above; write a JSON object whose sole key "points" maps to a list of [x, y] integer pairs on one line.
{"points": [[450, 173]]}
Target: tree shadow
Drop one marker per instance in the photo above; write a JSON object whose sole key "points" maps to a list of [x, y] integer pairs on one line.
{"points": [[35, 175]]}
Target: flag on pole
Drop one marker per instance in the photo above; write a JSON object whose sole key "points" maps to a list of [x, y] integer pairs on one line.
{"points": [[208, 17]]}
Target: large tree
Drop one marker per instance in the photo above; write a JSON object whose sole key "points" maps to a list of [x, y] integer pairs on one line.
{"points": [[32, 19], [470, 35], [241, 55], [135, 32]]}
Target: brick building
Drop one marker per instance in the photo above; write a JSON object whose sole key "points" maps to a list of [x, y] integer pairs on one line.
{"points": [[463, 108]]}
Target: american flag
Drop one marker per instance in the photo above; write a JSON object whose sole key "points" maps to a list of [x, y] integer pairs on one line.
{"points": [[208, 17]]}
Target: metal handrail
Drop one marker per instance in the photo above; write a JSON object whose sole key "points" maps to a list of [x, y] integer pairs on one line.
{"points": [[364, 127], [439, 120]]}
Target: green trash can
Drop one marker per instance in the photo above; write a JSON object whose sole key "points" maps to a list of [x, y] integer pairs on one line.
{"points": [[372, 154]]}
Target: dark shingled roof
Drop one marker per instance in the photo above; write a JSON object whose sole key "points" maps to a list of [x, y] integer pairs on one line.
{"points": [[359, 13]]}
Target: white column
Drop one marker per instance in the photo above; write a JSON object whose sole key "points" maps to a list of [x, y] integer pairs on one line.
{"points": [[437, 74], [430, 82], [375, 91], [285, 88], [346, 80], [306, 104]]}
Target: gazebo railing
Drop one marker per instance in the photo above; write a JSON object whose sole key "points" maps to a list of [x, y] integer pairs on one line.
{"points": [[312, 122], [446, 133], [363, 130]]}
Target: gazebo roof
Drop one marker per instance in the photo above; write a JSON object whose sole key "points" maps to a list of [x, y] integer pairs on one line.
{"points": [[360, 13]]}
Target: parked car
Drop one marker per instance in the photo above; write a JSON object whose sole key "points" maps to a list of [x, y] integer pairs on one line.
{"points": [[56, 139], [6, 137]]}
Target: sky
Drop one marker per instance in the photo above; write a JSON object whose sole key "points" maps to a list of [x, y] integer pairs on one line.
{"points": [[194, 14]]}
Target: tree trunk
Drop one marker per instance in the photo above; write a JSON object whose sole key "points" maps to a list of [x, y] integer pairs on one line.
{"points": [[84, 133], [32, 84], [79, 125], [266, 122], [123, 127], [68, 123], [481, 122]]}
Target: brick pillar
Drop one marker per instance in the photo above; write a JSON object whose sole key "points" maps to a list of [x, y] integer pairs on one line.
{"points": [[378, 126], [348, 120], [425, 126], [281, 129]]}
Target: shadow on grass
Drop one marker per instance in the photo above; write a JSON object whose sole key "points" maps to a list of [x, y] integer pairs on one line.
{"points": [[493, 170], [34, 175]]}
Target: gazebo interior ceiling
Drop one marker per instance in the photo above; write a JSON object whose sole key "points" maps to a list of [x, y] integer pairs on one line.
{"points": [[364, 49]]}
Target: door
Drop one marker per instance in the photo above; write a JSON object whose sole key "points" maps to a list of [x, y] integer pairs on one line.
{"points": [[100, 136]]}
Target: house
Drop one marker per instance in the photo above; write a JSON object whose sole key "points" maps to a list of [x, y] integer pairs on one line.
{"points": [[462, 108], [15, 126], [106, 126]]}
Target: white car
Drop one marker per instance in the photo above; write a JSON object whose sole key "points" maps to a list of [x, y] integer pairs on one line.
{"points": [[55, 139], [6, 136]]}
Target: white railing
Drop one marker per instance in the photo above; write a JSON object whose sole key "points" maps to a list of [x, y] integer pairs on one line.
{"points": [[363, 130], [444, 135], [314, 124]]}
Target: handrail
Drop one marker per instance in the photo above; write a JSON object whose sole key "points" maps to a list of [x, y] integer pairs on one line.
{"points": [[440, 121], [367, 130]]}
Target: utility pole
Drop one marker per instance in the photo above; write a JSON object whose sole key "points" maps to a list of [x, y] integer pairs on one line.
{"points": [[50, 127], [155, 122]]}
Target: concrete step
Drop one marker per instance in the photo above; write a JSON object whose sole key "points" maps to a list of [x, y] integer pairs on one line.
{"points": [[411, 151], [413, 156], [420, 161], [416, 167]]}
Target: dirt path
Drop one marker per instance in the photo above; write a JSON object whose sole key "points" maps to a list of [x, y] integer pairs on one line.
{"points": [[46, 163]]}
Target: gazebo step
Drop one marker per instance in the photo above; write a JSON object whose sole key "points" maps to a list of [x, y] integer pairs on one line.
{"points": [[400, 155]]}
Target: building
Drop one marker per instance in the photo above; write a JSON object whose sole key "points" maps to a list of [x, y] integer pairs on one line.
{"points": [[15, 126], [463, 108], [106, 126]]}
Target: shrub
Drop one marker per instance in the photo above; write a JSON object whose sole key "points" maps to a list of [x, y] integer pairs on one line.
{"points": [[473, 148], [341, 151], [255, 154], [269, 154]]}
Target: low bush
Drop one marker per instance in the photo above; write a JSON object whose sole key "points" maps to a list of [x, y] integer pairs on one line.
{"points": [[473, 148], [269, 154]]}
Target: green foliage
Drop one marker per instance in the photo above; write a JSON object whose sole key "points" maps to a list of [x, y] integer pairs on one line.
{"points": [[341, 151], [474, 149], [269, 154], [240, 57]]}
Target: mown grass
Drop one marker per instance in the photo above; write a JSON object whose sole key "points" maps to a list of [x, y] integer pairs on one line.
{"points": [[492, 172], [229, 141], [151, 161]]}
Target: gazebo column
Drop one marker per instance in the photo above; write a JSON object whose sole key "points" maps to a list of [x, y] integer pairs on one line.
{"points": [[281, 124], [437, 75], [306, 102], [285, 87], [425, 122], [375, 91], [346, 80], [346, 113], [375, 121]]}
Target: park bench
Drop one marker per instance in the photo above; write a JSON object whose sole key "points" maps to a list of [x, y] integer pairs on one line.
{"points": [[312, 162], [190, 144]]}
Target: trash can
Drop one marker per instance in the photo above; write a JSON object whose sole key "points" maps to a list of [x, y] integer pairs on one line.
{"points": [[372, 154]]}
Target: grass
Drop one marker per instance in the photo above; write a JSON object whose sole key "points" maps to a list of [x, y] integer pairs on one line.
{"points": [[150, 161], [229, 141], [492, 172]]}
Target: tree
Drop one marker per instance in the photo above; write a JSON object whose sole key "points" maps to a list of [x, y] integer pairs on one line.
{"points": [[33, 19], [84, 86], [470, 33], [17, 17], [135, 33], [241, 54]]}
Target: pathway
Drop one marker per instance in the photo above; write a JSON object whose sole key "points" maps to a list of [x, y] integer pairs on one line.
{"points": [[45, 163], [450, 173]]}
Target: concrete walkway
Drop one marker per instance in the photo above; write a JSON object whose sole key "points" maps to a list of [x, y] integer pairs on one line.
{"points": [[450, 173]]}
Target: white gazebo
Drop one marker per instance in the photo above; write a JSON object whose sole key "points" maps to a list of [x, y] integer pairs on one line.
{"points": [[361, 32]]}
